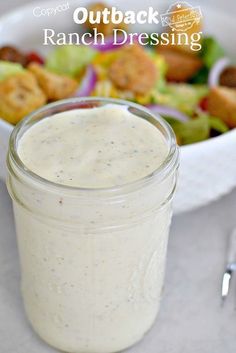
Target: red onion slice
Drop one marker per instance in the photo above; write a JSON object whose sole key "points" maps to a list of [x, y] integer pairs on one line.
{"points": [[88, 83], [216, 71], [166, 111]]}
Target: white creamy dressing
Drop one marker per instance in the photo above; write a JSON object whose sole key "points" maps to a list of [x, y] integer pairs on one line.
{"points": [[86, 289], [93, 148]]}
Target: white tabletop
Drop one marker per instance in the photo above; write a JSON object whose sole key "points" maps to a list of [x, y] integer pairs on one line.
{"points": [[191, 319]]}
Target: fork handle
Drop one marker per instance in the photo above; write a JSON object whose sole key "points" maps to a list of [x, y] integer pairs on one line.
{"points": [[231, 256]]}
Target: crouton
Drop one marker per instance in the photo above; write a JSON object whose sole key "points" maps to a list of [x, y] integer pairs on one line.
{"points": [[181, 66], [222, 104], [12, 54], [55, 86], [104, 28], [133, 70], [19, 96], [228, 77]]}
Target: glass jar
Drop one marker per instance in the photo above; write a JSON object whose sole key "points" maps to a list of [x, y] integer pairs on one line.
{"points": [[92, 260]]}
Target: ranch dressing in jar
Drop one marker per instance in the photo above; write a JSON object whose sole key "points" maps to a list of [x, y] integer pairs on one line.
{"points": [[92, 189]]}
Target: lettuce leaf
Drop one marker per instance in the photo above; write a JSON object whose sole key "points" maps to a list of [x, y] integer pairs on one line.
{"points": [[8, 69], [184, 97], [161, 66], [198, 129], [201, 77], [211, 51], [70, 59], [193, 131], [218, 125]]}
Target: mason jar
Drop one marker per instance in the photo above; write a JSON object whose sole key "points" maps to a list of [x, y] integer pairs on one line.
{"points": [[92, 260]]}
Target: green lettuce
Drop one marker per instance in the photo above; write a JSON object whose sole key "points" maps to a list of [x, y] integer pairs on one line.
{"points": [[70, 59], [201, 77], [197, 129], [211, 52], [184, 97], [193, 131], [161, 66], [8, 69], [218, 125]]}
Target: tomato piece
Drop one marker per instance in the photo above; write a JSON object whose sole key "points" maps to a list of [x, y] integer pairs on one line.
{"points": [[35, 57], [204, 104]]}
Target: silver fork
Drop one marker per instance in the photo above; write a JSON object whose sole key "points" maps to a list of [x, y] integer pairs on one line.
{"points": [[230, 266]]}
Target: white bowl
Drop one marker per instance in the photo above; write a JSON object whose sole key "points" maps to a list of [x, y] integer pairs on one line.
{"points": [[208, 169]]}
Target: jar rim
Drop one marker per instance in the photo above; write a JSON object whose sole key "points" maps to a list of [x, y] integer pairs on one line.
{"points": [[170, 162]]}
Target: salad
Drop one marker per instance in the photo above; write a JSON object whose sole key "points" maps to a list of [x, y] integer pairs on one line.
{"points": [[194, 91]]}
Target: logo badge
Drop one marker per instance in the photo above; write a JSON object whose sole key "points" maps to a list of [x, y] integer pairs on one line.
{"points": [[181, 16]]}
